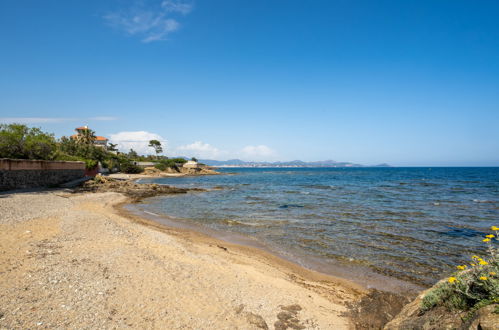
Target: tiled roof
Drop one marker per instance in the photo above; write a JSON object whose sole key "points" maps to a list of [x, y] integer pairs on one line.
{"points": [[100, 138]]}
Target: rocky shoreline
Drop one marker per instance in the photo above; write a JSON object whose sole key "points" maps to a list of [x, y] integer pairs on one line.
{"points": [[135, 191]]}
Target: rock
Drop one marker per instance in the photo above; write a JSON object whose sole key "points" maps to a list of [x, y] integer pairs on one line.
{"points": [[256, 320], [376, 308], [411, 317], [292, 308], [288, 318], [136, 191], [485, 318]]}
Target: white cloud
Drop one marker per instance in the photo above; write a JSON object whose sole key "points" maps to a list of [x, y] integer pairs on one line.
{"points": [[137, 141], [177, 6], [34, 120], [261, 152], [199, 149], [203, 150], [151, 21], [103, 118]]}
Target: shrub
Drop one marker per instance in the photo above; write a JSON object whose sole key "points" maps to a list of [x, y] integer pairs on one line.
{"points": [[179, 160], [130, 168], [89, 163], [163, 164], [21, 142], [472, 286]]}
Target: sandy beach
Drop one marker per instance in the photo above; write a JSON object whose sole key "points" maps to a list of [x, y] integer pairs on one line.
{"points": [[81, 261]]}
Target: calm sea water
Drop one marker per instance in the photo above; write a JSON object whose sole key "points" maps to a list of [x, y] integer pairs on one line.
{"points": [[414, 224]]}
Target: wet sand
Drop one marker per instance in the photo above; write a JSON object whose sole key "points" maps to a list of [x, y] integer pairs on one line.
{"points": [[361, 275], [82, 261]]}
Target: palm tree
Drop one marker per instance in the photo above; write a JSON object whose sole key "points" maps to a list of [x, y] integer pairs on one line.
{"points": [[86, 136], [112, 147]]}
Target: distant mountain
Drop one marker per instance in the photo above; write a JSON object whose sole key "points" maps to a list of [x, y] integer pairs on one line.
{"points": [[382, 165], [294, 163]]}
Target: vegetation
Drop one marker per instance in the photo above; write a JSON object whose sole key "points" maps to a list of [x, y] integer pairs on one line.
{"points": [[85, 150], [157, 146], [473, 286], [85, 137], [163, 164], [112, 147], [127, 166], [18, 141], [21, 142]]}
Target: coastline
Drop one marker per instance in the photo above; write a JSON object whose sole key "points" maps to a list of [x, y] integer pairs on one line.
{"points": [[109, 267], [361, 276]]}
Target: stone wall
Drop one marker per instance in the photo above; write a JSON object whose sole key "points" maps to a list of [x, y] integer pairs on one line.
{"points": [[21, 173]]}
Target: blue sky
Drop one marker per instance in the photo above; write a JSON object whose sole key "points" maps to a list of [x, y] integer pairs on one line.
{"points": [[403, 82]]}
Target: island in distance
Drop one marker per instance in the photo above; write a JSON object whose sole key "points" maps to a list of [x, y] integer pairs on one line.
{"points": [[294, 163]]}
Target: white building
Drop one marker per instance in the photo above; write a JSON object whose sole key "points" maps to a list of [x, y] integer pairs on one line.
{"points": [[191, 164]]}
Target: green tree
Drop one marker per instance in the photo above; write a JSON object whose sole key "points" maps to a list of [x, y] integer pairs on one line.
{"points": [[86, 136], [73, 149], [132, 154], [157, 146], [112, 147], [21, 142]]}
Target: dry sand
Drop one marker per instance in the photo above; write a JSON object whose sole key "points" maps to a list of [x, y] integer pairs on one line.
{"points": [[80, 261]]}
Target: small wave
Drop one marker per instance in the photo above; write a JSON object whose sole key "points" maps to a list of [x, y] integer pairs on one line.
{"points": [[231, 222], [482, 201], [151, 213], [319, 186]]}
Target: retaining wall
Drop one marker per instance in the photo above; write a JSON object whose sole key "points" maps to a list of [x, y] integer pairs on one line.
{"points": [[22, 173]]}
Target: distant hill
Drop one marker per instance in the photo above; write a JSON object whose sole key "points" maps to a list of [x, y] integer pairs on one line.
{"points": [[294, 163]]}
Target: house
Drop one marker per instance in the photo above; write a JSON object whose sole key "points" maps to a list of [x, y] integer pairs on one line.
{"points": [[99, 141], [191, 164]]}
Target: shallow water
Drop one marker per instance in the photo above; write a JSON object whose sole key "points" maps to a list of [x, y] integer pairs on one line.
{"points": [[414, 224]]}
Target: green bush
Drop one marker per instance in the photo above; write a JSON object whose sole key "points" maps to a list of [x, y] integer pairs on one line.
{"points": [[163, 164], [130, 168], [89, 163], [476, 284], [21, 142], [179, 160]]}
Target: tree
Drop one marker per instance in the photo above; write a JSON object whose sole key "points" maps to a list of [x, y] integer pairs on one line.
{"points": [[194, 159], [86, 136], [157, 146], [72, 149], [132, 154], [112, 147], [22, 142]]}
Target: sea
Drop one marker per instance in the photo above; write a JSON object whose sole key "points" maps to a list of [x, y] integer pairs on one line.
{"points": [[373, 225]]}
